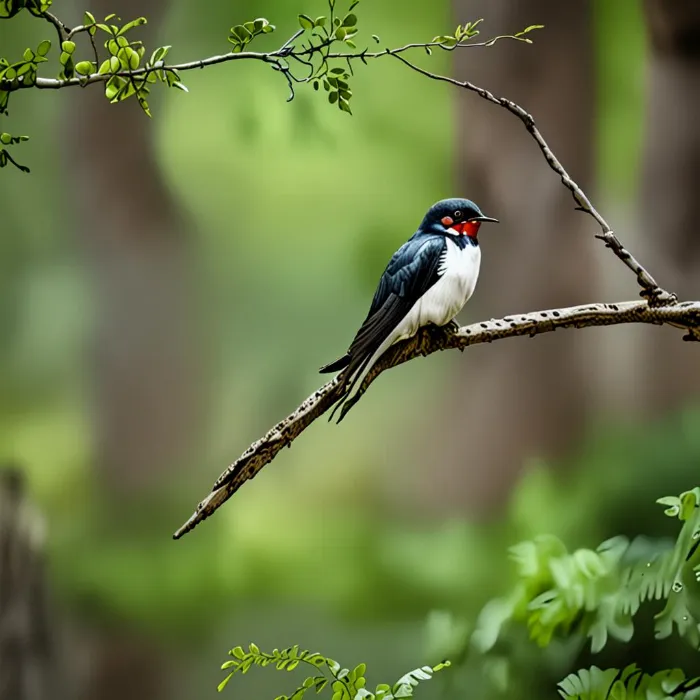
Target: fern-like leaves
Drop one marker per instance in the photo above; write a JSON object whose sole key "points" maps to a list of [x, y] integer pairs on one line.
{"points": [[345, 684], [629, 683], [598, 592]]}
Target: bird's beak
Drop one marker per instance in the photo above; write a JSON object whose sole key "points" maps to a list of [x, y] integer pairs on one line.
{"points": [[485, 218]]}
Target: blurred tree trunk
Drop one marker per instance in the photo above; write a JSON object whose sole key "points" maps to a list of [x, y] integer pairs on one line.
{"points": [[138, 256], [670, 205], [27, 669], [145, 405], [523, 398]]}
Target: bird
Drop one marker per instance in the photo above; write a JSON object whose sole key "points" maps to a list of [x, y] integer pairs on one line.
{"points": [[428, 281]]}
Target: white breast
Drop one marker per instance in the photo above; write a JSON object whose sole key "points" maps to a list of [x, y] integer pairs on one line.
{"points": [[459, 271]]}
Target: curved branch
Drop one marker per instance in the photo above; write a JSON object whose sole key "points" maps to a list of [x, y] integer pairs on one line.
{"points": [[57, 84], [427, 341]]}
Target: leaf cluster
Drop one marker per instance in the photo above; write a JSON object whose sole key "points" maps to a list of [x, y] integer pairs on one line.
{"points": [[322, 34], [9, 8], [345, 684], [629, 683], [598, 592], [242, 34], [464, 33], [320, 57]]}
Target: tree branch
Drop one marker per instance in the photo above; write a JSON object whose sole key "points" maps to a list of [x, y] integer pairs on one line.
{"points": [[57, 84], [427, 341], [287, 50]]}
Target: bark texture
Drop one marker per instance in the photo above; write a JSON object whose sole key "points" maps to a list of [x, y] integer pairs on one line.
{"points": [[27, 649]]}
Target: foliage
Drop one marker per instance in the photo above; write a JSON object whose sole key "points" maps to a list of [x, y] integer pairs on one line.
{"points": [[629, 683], [598, 592], [588, 593], [346, 684], [316, 60], [561, 596]]}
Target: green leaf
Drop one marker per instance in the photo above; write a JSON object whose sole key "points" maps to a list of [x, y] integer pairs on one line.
{"points": [[132, 58], [224, 683], [305, 22], [28, 55], [350, 20], [112, 88], [332, 97], [531, 28], [43, 48], [320, 22], [242, 33], [9, 8], [68, 47], [130, 25], [88, 18], [84, 67], [262, 26], [340, 33]]}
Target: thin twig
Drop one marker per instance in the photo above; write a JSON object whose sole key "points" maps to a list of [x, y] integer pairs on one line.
{"points": [[427, 341], [61, 29], [17, 165]]}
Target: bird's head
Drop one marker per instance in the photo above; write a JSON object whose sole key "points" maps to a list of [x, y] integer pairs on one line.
{"points": [[454, 217]]}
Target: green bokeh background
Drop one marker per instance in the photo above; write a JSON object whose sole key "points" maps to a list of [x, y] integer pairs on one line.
{"points": [[311, 552]]}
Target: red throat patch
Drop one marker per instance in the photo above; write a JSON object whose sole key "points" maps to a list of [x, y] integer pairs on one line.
{"points": [[468, 228]]}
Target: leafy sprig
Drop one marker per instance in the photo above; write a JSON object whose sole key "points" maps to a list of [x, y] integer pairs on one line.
{"points": [[320, 53], [346, 684], [464, 33]]}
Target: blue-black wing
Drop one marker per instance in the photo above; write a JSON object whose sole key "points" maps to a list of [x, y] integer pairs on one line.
{"points": [[412, 270]]}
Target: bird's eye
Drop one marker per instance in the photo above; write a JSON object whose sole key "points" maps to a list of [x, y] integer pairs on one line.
{"points": [[458, 214]]}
